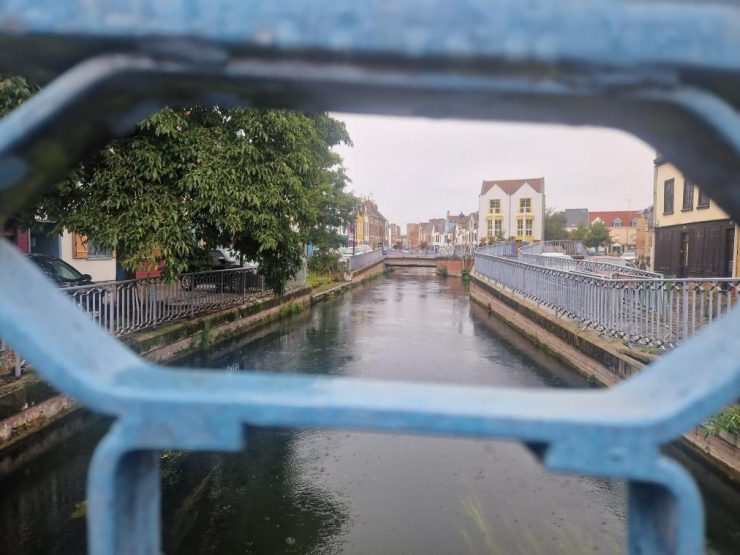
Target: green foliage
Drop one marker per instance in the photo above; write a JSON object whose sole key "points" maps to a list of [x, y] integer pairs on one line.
{"points": [[205, 341], [325, 262], [289, 309], [423, 246], [264, 182], [580, 232], [317, 280], [465, 274], [555, 223], [13, 91], [597, 236], [442, 271], [727, 421]]}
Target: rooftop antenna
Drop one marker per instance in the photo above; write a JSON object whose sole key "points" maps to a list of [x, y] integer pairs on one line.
{"points": [[629, 204]]}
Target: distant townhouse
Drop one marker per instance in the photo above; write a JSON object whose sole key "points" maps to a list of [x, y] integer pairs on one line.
{"points": [[512, 208], [462, 229], [693, 236], [374, 225], [412, 236], [426, 230], [644, 246], [393, 234], [622, 226]]}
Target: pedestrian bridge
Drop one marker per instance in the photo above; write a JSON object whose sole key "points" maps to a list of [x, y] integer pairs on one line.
{"points": [[400, 260]]}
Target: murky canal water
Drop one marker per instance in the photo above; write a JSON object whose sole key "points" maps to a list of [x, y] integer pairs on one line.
{"points": [[321, 491]]}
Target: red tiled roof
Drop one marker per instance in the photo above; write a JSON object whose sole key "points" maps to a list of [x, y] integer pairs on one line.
{"points": [[608, 216], [511, 186]]}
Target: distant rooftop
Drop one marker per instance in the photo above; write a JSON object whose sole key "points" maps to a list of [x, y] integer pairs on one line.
{"points": [[511, 186], [575, 216]]}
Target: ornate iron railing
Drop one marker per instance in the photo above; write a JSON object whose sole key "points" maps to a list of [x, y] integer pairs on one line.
{"points": [[658, 312], [668, 72]]}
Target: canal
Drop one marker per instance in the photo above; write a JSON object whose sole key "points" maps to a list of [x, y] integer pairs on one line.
{"points": [[323, 491]]}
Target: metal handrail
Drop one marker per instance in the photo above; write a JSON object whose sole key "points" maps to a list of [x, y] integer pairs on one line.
{"points": [[656, 311], [363, 260], [123, 307]]}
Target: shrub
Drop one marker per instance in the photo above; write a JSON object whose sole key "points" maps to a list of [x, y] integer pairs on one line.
{"points": [[325, 262]]}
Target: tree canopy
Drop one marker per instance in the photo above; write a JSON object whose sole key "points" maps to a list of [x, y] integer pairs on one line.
{"points": [[554, 228], [597, 236], [189, 179]]}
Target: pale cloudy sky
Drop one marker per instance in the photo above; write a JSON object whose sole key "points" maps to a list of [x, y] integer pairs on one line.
{"points": [[417, 169]]}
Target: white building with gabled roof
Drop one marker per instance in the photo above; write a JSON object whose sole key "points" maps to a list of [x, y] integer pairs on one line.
{"points": [[512, 208]]}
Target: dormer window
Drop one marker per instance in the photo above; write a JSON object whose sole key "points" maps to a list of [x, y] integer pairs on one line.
{"points": [[617, 222]]}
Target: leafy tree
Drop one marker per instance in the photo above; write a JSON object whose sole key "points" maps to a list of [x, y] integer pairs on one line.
{"points": [[580, 232], [597, 236], [555, 223], [423, 246], [325, 262], [189, 179]]}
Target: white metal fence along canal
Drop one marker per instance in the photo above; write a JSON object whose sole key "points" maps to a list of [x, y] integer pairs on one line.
{"points": [[641, 307], [123, 307]]}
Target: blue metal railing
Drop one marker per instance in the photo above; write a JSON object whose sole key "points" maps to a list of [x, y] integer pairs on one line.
{"points": [[649, 68]]}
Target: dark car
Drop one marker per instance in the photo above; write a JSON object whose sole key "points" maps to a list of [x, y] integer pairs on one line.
{"points": [[59, 271], [218, 259]]}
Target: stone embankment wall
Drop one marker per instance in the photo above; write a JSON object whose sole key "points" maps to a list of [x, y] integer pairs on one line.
{"points": [[597, 359]]}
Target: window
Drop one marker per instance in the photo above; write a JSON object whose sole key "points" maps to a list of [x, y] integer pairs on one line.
{"points": [[83, 248], [494, 206], [617, 222], [490, 228], [668, 196], [497, 227], [519, 228], [633, 223], [525, 205], [703, 200], [528, 228], [94, 251], [688, 195]]}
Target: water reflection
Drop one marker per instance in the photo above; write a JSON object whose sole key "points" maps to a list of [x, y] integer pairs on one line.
{"points": [[408, 494]]}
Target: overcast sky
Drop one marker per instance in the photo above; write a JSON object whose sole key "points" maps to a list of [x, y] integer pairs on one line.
{"points": [[417, 169]]}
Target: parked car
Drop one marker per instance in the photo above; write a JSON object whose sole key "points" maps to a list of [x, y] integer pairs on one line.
{"points": [[616, 260], [556, 255], [220, 258], [61, 273]]}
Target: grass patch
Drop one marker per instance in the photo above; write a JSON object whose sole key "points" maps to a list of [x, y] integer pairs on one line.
{"points": [[727, 421], [315, 280], [289, 309]]}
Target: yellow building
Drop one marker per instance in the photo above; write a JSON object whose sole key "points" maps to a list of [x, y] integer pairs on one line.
{"points": [[693, 236]]}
